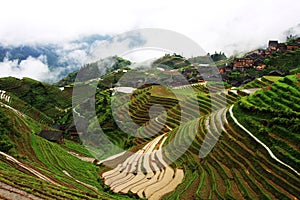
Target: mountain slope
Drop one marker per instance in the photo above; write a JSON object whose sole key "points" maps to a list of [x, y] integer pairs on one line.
{"points": [[273, 116], [43, 168], [44, 97]]}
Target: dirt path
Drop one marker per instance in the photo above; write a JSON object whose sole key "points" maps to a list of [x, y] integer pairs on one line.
{"points": [[83, 158], [16, 111], [33, 171], [82, 183]]}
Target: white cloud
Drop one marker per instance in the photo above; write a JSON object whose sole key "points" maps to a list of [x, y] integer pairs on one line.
{"points": [[215, 25], [35, 68]]}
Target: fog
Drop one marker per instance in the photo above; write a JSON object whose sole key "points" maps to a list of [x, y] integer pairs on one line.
{"points": [[229, 26]]}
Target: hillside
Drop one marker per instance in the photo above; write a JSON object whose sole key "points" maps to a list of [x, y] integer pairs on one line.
{"points": [[42, 168], [171, 61], [273, 116], [221, 161], [44, 97], [92, 71], [237, 167], [175, 140]]}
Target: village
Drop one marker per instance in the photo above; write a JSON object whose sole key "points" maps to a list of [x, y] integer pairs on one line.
{"points": [[255, 59], [236, 70]]}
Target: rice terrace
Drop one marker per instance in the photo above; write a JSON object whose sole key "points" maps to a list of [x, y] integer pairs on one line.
{"points": [[148, 114]]}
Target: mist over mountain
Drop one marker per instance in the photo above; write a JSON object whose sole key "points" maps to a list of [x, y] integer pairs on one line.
{"points": [[46, 61], [50, 62]]}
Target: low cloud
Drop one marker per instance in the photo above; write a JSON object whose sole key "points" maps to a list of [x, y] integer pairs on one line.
{"points": [[35, 68]]}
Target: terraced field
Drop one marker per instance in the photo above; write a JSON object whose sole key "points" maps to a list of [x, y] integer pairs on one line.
{"points": [[25, 108], [186, 146], [46, 98], [236, 168], [145, 173], [45, 169], [273, 116], [223, 161], [262, 82]]}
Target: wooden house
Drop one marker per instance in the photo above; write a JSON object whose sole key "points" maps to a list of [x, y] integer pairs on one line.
{"points": [[292, 47], [259, 64], [242, 63], [282, 47]]}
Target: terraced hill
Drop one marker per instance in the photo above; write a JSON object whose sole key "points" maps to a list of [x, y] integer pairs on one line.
{"points": [[273, 116], [223, 162], [13, 102], [172, 61], [187, 144], [38, 167], [44, 97], [263, 82]]}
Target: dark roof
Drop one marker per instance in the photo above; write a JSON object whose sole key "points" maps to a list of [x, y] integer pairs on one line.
{"points": [[51, 135], [281, 45], [252, 56], [275, 73], [273, 42], [259, 61], [59, 127]]}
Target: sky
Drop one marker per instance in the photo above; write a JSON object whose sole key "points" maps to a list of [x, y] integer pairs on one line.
{"points": [[214, 25], [229, 26]]}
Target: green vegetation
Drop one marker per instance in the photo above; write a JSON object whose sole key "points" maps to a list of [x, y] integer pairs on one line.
{"points": [[5, 129], [284, 62], [259, 83], [218, 56], [171, 62], [272, 78], [107, 121], [273, 116], [218, 59], [237, 167], [44, 97], [48, 158], [76, 147], [41, 188], [91, 71]]}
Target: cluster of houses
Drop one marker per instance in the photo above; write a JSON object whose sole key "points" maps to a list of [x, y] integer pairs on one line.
{"points": [[255, 59], [283, 47], [4, 96]]}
